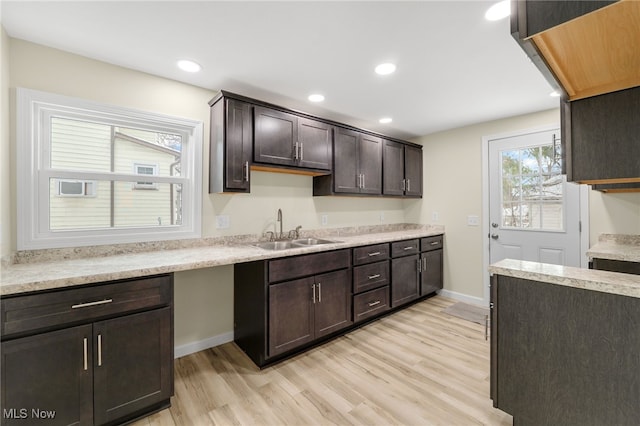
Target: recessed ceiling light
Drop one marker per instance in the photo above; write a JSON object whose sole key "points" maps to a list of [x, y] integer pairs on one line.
{"points": [[384, 69], [386, 120], [316, 97], [555, 94], [498, 11], [189, 66]]}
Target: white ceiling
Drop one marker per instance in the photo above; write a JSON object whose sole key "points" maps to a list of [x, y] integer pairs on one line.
{"points": [[454, 67]]}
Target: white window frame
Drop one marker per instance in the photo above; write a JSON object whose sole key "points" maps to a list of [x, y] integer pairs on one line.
{"points": [[146, 184], [33, 165]]}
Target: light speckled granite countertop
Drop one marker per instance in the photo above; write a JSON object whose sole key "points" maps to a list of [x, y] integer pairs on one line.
{"points": [[616, 247], [603, 281], [53, 269]]}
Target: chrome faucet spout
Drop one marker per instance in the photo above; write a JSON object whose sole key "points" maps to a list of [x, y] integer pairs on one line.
{"points": [[280, 220]]}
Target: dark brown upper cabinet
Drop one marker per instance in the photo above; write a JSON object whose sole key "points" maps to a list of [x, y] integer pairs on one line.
{"points": [[588, 50], [357, 165], [285, 139], [402, 169], [230, 146]]}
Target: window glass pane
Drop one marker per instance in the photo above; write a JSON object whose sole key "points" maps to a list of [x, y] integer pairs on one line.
{"points": [[80, 145], [127, 207], [532, 188], [150, 153]]}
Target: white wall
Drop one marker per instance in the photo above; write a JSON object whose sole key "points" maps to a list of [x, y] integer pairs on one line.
{"points": [[6, 215]]}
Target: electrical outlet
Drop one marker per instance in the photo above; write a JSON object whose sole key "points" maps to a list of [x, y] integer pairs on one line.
{"points": [[223, 222], [435, 216], [324, 219], [473, 220], [381, 217]]}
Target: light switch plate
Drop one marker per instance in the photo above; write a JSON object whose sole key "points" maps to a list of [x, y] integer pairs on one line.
{"points": [[473, 220]]}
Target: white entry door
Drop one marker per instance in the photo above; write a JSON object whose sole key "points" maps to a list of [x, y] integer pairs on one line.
{"points": [[534, 212]]}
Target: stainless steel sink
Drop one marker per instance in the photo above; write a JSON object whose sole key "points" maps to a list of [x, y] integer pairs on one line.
{"points": [[290, 244], [276, 245], [311, 241]]}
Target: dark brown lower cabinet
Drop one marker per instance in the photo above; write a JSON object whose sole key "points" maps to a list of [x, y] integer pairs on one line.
{"points": [[404, 280], [564, 356], [431, 272], [115, 367]]}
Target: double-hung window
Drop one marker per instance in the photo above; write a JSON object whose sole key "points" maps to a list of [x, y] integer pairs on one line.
{"points": [[90, 173]]}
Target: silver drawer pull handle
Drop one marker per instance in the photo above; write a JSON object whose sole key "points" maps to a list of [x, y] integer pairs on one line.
{"points": [[435, 243], [409, 248], [377, 302], [375, 253], [98, 302], [373, 277], [99, 350]]}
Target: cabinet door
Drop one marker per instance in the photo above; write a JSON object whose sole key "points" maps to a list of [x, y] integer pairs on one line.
{"points": [[290, 315], [274, 137], [431, 272], [133, 364], [413, 171], [51, 373], [370, 164], [238, 145], [404, 280], [332, 302], [345, 161], [314, 138], [393, 171]]}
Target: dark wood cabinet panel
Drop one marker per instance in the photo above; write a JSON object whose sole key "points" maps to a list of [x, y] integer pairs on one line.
{"points": [[309, 264], [106, 356], [370, 276], [369, 164], [405, 248], [345, 172], [404, 279], [315, 144], [133, 364], [431, 272], [275, 135], [290, 315], [563, 355], [48, 372], [617, 266], [333, 302], [370, 304], [393, 171], [231, 146], [368, 254], [600, 138], [538, 16], [413, 171], [431, 243]]}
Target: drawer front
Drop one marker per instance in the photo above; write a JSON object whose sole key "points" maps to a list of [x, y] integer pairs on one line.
{"points": [[371, 303], [32, 313], [310, 264], [369, 254], [405, 248], [373, 275], [431, 243]]}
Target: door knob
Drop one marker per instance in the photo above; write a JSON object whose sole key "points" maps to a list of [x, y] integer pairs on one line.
{"points": [[494, 236], [494, 225]]}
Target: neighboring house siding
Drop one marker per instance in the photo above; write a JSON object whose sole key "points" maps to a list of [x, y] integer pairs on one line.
{"points": [[87, 146]]}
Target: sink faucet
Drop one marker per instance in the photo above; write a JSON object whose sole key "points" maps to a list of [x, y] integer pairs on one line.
{"points": [[280, 220]]}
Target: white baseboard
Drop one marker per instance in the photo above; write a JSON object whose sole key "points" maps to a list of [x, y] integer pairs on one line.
{"points": [[211, 342], [463, 297]]}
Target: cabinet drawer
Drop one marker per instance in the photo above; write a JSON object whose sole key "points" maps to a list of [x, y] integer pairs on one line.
{"points": [[431, 243], [371, 303], [309, 264], [367, 277], [31, 313], [405, 248], [368, 254]]}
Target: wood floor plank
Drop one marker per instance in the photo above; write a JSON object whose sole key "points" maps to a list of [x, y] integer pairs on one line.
{"points": [[417, 366]]}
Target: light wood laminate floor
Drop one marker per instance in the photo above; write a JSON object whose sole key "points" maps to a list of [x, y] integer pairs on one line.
{"points": [[418, 366]]}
